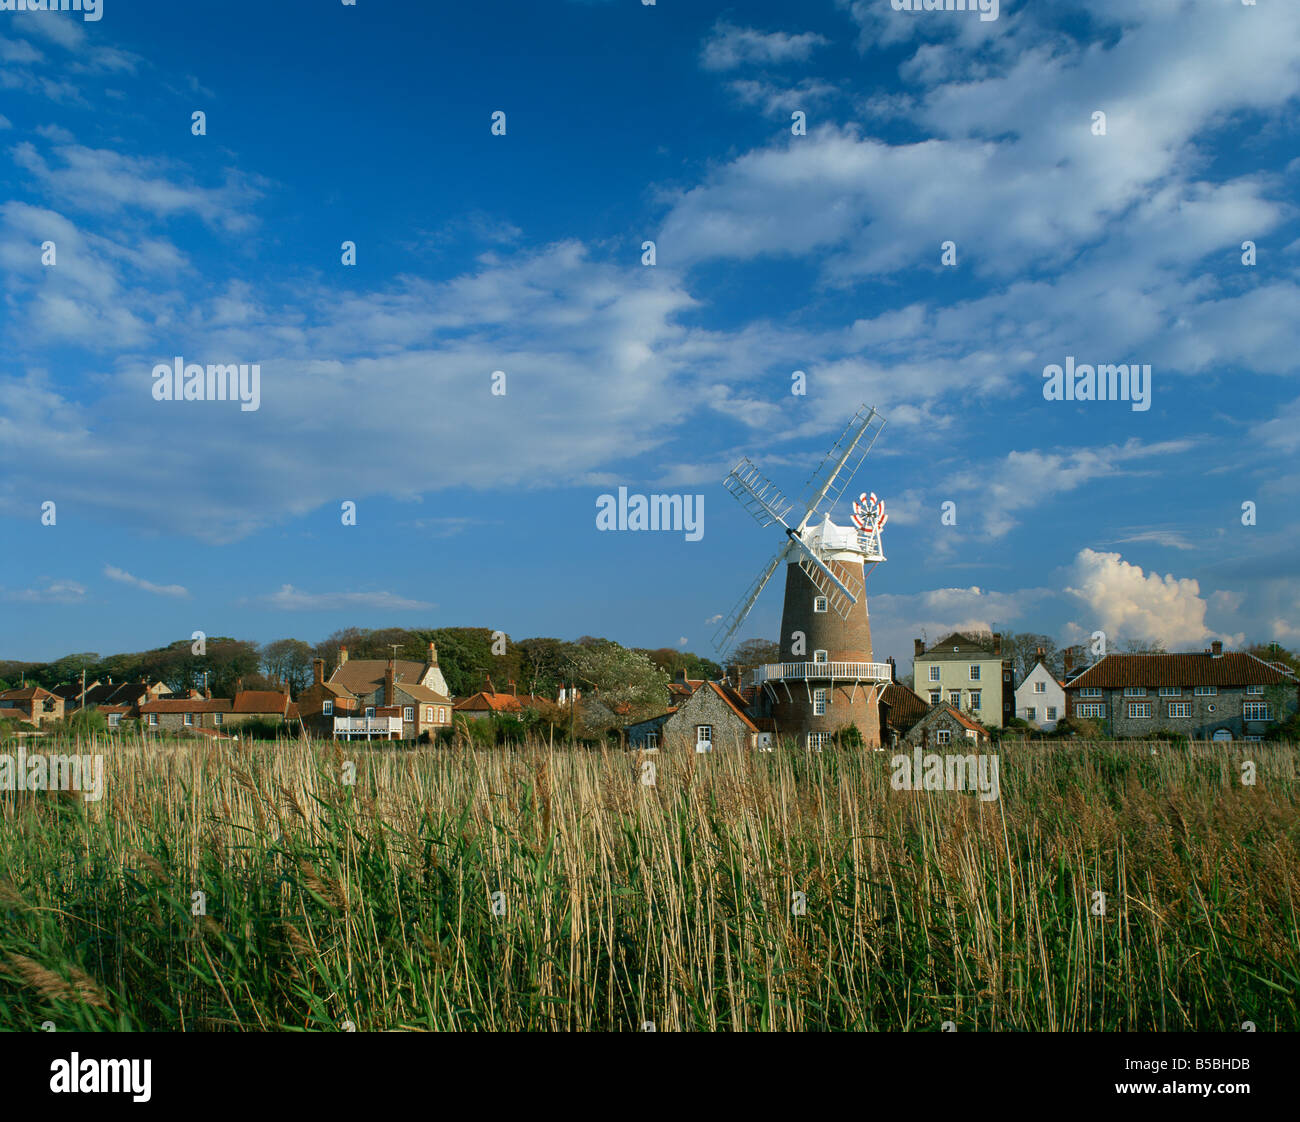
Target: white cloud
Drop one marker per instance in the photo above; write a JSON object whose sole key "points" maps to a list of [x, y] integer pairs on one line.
{"points": [[123, 577], [781, 100], [1125, 602], [53, 592], [1025, 480], [729, 47], [106, 182], [290, 599]]}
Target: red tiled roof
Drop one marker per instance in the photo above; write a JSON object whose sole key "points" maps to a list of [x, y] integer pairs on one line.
{"points": [[735, 704], [906, 707], [30, 693], [171, 705], [423, 694], [211, 734], [1233, 668], [260, 701], [494, 702], [969, 722], [365, 675]]}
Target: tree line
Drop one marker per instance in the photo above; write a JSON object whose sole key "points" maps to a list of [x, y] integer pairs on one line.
{"points": [[469, 657]]}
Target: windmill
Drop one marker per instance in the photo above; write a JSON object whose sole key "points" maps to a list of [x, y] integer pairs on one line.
{"points": [[826, 678]]}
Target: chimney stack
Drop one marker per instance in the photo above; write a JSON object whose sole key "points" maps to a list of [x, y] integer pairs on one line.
{"points": [[389, 683], [1069, 660], [1216, 648], [513, 688], [433, 653], [1039, 653], [318, 671], [918, 648], [893, 669], [343, 656], [239, 686], [997, 644]]}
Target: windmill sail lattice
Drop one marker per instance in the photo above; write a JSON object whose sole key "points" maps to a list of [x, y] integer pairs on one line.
{"points": [[769, 506]]}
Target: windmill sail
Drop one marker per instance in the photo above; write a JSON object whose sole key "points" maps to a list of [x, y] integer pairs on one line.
{"points": [[840, 589], [828, 482], [736, 617], [757, 494], [810, 548]]}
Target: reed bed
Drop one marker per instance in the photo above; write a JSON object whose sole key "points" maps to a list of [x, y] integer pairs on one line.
{"points": [[547, 888]]}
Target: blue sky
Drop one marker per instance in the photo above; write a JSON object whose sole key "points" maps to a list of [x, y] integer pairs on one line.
{"points": [[775, 252]]}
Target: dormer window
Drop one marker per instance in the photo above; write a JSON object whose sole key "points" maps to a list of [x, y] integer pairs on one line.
{"points": [[820, 604]]}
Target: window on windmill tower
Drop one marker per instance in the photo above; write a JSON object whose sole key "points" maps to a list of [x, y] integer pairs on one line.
{"points": [[820, 604], [819, 656], [819, 703]]}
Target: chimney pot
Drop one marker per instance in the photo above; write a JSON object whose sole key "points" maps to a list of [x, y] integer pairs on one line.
{"points": [[343, 655], [1216, 648]]}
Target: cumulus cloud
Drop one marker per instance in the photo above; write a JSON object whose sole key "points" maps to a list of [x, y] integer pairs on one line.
{"points": [[1124, 601]]}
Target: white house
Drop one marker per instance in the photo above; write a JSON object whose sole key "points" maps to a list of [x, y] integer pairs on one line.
{"points": [[1040, 698]]}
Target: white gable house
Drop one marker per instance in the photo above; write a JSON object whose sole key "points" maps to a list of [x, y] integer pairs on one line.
{"points": [[1040, 698]]}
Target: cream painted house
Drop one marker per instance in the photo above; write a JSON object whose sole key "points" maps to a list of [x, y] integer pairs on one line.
{"points": [[968, 674]]}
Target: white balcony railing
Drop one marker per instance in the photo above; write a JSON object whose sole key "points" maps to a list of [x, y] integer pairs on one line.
{"points": [[367, 726], [839, 671]]}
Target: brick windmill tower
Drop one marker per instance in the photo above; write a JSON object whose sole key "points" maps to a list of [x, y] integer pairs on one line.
{"points": [[826, 678]]}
